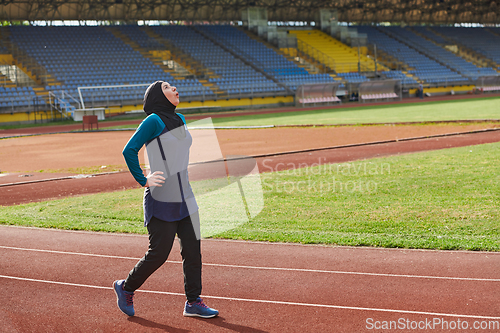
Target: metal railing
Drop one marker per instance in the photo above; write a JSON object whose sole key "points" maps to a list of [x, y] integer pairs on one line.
{"points": [[325, 61], [59, 105], [177, 54], [22, 59], [13, 76], [329, 65], [23, 104]]}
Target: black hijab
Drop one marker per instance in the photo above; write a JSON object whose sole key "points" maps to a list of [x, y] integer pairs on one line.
{"points": [[156, 102]]}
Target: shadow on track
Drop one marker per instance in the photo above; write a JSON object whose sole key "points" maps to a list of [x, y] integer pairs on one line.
{"points": [[221, 322], [152, 324]]}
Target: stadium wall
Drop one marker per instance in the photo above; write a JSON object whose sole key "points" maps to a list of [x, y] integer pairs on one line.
{"points": [[183, 107], [445, 90]]}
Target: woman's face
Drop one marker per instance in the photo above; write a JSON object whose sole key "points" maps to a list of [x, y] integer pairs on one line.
{"points": [[170, 93]]}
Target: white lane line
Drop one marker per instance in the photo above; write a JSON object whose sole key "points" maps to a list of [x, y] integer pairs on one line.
{"points": [[330, 246], [72, 284], [268, 268], [73, 253], [261, 300]]}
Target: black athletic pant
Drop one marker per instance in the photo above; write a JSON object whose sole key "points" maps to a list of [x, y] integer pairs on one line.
{"points": [[161, 239]]}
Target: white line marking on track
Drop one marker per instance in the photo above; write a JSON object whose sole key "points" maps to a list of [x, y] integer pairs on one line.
{"points": [[267, 268], [331, 246], [73, 253], [260, 300]]}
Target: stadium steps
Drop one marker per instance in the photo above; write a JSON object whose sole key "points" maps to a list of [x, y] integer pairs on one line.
{"points": [[305, 60], [187, 64], [313, 55], [41, 92], [339, 79], [437, 44], [185, 60], [345, 58], [19, 63], [426, 54], [36, 73], [469, 54], [476, 59], [6, 82], [291, 54], [497, 67], [213, 87], [176, 70], [21, 60], [309, 67], [51, 81], [388, 61], [493, 32], [155, 59], [308, 56], [411, 76], [245, 61]]}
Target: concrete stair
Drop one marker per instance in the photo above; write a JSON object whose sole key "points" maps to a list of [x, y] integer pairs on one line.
{"points": [[333, 53], [467, 53], [291, 55]]}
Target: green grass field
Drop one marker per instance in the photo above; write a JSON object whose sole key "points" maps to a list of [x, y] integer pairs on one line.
{"points": [[484, 108], [445, 199]]}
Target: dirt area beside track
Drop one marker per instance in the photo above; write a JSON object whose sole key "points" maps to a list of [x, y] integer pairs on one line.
{"points": [[21, 159], [66, 151]]}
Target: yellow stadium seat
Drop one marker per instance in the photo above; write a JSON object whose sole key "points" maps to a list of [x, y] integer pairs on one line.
{"points": [[344, 58]]}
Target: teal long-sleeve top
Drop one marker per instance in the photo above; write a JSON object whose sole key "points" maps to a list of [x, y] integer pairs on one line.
{"points": [[150, 128]]}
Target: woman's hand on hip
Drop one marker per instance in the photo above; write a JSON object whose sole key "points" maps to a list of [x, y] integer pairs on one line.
{"points": [[154, 179]]}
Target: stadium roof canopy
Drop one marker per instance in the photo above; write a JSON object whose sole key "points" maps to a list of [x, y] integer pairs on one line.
{"points": [[396, 11]]}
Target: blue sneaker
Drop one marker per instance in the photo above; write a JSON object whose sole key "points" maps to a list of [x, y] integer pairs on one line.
{"points": [[125, 299], [199, 309]]}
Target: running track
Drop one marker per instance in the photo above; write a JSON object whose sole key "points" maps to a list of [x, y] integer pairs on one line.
{"points": [[60, 281]]}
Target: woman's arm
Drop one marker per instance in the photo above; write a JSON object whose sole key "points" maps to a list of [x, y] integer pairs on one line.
{"points": [[150, 128]]}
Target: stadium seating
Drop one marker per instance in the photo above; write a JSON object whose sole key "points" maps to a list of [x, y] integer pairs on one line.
{"points": [[423, 67], [480, 40], [438, 53], [353, 77], [345, 57], [237, 64], [22, 97], [398, 75], [94, 57], [141, 37], [274, 64], [191, 88], [87, 56], [232, 75]]}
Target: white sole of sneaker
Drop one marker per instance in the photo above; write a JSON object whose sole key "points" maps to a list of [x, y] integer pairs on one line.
{"points": [[198, 315]]}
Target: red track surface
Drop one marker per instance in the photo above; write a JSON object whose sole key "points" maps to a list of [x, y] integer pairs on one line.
{"points": [[39, 191], [316, 289]]}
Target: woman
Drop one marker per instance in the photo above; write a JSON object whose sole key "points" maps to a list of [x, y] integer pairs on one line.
{"points": [[165, 217]]}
